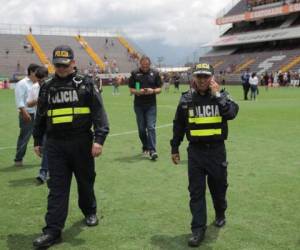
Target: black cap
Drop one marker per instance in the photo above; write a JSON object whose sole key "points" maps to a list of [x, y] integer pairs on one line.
{"points": [[63, 54], [203, 69]]}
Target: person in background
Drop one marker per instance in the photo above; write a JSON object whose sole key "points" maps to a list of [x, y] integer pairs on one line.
{"points": [[245, 82], [265, 80], [26, 114], [176, 80], [275, 81], [41, 74], [145, 83], [117, 81], [253, 81], [166, 79]]}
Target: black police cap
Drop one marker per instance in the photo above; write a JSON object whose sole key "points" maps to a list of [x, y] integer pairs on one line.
{"points": [[203, 69], [63, 54]]}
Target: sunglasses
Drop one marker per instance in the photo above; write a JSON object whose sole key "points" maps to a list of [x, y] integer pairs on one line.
{"points": [[59, 65], [203, 76]]}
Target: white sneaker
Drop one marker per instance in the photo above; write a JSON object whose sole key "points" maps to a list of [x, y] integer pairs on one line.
{"points": [[153, 156]]}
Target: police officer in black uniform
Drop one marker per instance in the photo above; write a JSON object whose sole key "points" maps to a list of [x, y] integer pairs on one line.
{"points": [[202, 115], [68, 106]]}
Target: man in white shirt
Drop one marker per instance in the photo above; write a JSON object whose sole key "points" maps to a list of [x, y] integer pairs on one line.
{"points": [[26, 114], [33, 95]]}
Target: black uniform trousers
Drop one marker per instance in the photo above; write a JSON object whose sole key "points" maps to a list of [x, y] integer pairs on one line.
{"points": [[206, 160], [66, 157]]}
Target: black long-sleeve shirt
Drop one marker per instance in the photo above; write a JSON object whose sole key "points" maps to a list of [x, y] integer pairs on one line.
{"points": [[72, 91], [228, 110]]}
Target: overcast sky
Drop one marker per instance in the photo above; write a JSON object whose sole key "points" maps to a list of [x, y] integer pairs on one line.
{"points": [[167, 24]]}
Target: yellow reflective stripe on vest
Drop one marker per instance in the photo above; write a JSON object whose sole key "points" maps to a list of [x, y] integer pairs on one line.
{"points": [[62, 119], [82, 110], [63, 111], [206, 132], [205, 120], [69, 111]]}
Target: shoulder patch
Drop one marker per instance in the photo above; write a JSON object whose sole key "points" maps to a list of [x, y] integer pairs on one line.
{"points": [[187, 94], [186, 97], [226, 95], [47, 83], [184, 106], [229, 97], [48, 80]]}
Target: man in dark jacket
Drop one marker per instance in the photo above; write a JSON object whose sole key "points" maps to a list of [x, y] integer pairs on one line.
{"points": [[69, 105], [202, 116]]}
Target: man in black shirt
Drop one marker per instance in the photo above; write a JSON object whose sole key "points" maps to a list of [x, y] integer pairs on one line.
{"points": [[145, 83]]}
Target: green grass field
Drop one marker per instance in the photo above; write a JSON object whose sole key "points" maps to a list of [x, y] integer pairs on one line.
{"points": [[144, 204]]}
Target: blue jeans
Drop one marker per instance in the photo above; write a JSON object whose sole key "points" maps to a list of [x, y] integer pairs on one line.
{"points": [[253, 91], [115, 89], [24, 137], [146, 121]]}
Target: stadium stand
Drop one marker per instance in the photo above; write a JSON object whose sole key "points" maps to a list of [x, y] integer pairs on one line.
{"points": [[16, 54], [48, 43], [100, 53], [89, 50], [114, 50], [239, 8], [264, 37], [45, 60]]}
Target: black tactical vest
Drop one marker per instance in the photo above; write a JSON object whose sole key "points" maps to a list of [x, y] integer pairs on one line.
{"points": [[69, 105], [204, 121]]}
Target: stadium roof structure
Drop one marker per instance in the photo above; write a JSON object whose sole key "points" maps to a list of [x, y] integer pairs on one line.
{"points": [[173, 69], [256, 37], [6, 28], [270, 10], [240, 12]]}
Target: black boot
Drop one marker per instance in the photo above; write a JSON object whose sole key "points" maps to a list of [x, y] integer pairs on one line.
{"points": [[196, 238], [91, 220], [220, 220], [46, 240]]}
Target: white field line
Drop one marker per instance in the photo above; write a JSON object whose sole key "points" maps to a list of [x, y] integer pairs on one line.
{"points": [[110, 135]]}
